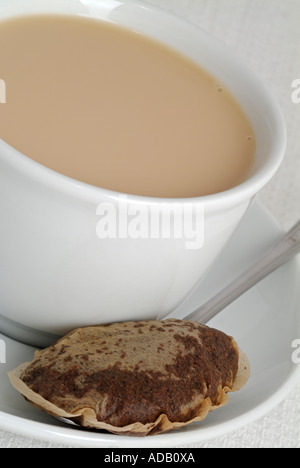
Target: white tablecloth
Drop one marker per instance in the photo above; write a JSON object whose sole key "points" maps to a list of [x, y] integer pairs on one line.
{"points": [[267, 34]]}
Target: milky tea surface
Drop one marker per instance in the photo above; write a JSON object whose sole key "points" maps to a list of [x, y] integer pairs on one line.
{"points": [[114, 109]]}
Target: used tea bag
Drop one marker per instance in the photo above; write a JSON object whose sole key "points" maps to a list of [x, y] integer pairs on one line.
{"points": [[138, 378]]}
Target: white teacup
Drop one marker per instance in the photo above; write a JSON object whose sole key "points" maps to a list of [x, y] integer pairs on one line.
{"points": [[57, 270]]}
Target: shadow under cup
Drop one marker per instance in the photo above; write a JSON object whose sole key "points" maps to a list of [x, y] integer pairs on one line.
{"points": [[56, 272]]}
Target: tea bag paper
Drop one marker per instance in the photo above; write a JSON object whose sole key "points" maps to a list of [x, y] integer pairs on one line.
{"points": [[114, 377]]}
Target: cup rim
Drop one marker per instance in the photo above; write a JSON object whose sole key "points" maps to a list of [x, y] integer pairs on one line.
{"points": [[245, 190]]}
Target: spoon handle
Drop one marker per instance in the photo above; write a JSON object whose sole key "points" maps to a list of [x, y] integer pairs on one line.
{"points": [[279, 253]]}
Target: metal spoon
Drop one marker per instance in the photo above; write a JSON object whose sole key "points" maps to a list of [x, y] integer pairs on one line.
{"points": [[282, 251]]}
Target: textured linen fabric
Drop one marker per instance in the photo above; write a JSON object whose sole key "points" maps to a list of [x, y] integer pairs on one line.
{"points": [[266, 34]]}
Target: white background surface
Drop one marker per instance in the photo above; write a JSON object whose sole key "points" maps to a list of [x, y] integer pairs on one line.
{"points": [[266, 33]]}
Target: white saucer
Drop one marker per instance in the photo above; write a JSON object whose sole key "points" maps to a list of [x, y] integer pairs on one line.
{"points": [[264, 322]]}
